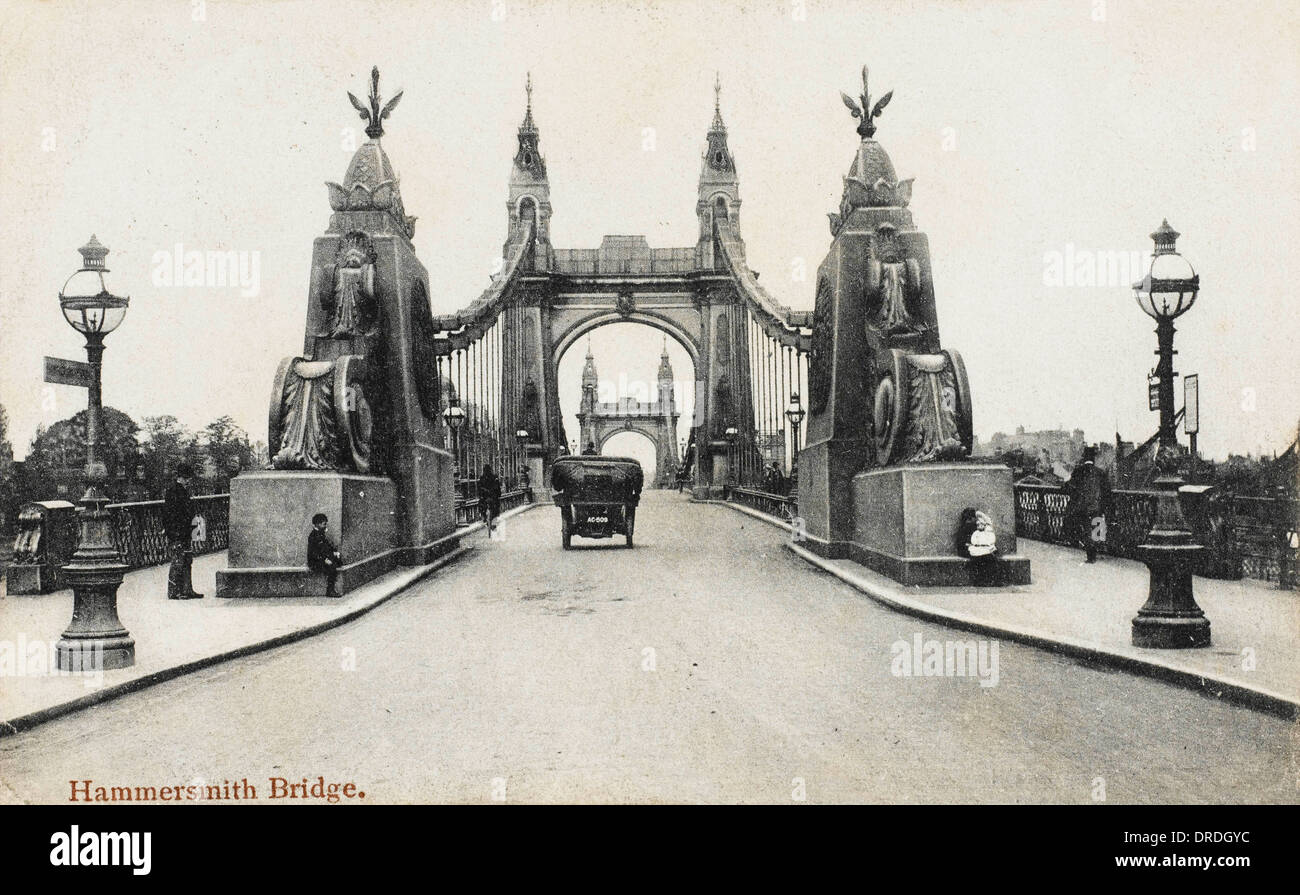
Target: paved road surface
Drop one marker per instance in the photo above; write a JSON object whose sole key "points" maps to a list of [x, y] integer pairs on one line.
{"points": [[706, 665]]}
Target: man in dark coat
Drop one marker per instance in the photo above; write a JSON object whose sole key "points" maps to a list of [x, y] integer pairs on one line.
{"points": [[1089, 492], [178, 517], [489, 495], [322, 555]]}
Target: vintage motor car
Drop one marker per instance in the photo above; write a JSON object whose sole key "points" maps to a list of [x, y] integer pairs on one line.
{"points": [[597, 496]]}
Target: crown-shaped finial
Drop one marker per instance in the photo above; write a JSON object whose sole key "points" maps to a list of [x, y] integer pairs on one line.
{"points": [[1165, 238], [374, 115], [866, 112], [93, 254]]}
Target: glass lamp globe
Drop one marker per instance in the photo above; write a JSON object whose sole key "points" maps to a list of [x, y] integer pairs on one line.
{"points": [[1169, 289], [87, 304]]}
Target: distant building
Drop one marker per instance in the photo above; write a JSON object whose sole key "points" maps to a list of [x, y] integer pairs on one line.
{"points": [[1052, 448]]}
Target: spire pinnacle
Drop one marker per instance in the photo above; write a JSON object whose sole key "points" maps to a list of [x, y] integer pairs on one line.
{"points": [[528, 87], [717, 102]]}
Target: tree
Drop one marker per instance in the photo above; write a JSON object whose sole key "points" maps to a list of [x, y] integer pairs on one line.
{"points": [[8, 484], [168, 443], [228, 447], [58, 457]]}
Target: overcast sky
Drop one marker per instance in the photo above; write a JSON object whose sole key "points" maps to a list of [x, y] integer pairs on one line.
{"points": [[1031, 129]]}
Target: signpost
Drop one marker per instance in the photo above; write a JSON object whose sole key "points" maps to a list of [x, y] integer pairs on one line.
{"points": [[67, 372], [1153, 392], [1192, 414]]}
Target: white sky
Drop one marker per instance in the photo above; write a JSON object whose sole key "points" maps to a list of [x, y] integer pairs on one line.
{"points": [[219, 134]]}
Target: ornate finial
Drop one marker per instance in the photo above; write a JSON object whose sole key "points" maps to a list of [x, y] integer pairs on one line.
{"points": [[93, 254], [528, 87], [1165, 238], [717, 92], [374, 115], [866, 127]]}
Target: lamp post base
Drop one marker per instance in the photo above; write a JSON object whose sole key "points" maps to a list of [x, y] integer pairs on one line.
{"points": [[96, 638], [99, 654], [1154, 632]]}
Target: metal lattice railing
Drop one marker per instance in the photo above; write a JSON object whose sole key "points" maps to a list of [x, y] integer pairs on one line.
{"points": [[138, 534], [781, 506], [1255, 537]]}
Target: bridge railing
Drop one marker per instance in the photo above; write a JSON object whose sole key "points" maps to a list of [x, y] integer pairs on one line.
{"points": [[468, 510], [138, 534], [1254, 537], [780, 506]]}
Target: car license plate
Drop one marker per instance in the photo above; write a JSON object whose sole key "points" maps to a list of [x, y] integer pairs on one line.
{"points": [[591, 520]]}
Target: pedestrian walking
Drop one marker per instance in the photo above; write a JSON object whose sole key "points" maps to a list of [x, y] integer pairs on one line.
{"points": [[489, 495], [322, 555], [1089, 494], [178, 518]]}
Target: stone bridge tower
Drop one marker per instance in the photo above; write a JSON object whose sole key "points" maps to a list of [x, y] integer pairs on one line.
{"points": [[599, 421]]}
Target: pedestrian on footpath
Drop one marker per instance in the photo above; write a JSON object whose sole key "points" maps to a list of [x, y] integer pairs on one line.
{"points": [[1089, 493], [322, 555], [489, 495], [178, 517]]}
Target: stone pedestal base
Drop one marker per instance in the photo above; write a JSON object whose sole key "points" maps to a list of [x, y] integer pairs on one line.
{"points": [[270, 518], [826, 472], [905, 522]]}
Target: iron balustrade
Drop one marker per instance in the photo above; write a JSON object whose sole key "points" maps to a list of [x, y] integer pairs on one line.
{"points": [[138, 534], [468, 512], [779, 506], [1254, 537]]}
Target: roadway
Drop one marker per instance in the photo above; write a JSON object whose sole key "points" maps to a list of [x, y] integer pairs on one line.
{"points": [[708, 664]]}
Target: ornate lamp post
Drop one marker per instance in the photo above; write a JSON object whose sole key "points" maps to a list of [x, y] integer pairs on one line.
{"points": [[795, 413], [731, 433], [1170, 618], [454, 416], [1167, 292], [521, 436], [95, 638]]}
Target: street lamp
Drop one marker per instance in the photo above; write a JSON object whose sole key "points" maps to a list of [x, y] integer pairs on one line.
{"points": [[1170, 618], [95, 638], [454, 416], [795, 414], [1167, 291], [730, 433]]}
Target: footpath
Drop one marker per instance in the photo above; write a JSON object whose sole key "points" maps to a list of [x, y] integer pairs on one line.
{"points": [[172, 637], [1085, 612]]}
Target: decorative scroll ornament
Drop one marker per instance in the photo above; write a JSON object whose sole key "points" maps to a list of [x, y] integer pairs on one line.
{"points": [[921, 408], [351, 301], [320, 417]]}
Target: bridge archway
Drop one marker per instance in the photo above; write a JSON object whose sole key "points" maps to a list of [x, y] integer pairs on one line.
{"points": [[636, 443], [576, 329]]}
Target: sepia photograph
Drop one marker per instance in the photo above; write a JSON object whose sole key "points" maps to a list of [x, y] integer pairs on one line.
{"points": [[579, 402]]}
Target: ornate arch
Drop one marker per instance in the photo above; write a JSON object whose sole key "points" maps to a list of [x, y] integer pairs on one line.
{"points": [[597, 319]]}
